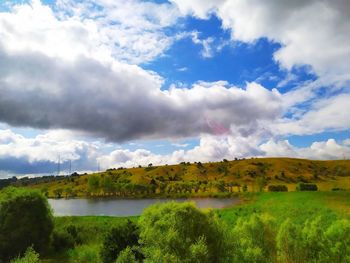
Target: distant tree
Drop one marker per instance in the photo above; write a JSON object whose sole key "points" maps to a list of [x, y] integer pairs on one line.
{"points": [[278, 188], [107, 184], [306, 187], [58, 192], [237, 174], [261, 182], [93, 183], [220, 185], [68, 191], [25, 220]]}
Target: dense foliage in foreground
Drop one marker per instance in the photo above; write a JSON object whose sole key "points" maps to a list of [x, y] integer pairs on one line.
{"points": [[25, 220], [270, 227]]}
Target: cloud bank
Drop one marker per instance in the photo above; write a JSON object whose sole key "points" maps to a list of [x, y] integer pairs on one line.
{"points": [[79, 67]]}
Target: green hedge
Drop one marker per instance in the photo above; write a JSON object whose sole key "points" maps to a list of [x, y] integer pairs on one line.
{"points": [[306, 187], [278, 188]]}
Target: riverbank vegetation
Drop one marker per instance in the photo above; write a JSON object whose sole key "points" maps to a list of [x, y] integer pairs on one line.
{"points": [[266, 227], [219, 179]]}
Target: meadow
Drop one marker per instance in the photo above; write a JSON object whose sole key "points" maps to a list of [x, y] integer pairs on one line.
{"points": [[299, 208], [291, 226]]}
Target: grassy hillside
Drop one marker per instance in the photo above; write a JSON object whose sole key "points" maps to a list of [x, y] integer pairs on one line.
{"points": [[197, 179]]}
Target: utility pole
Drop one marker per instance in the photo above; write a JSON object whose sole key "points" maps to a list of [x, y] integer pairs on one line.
{"points": [[70, 167], [59, 165]]}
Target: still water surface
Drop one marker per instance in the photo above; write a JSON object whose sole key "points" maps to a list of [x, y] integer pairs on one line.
{"points": [[125, 207]]}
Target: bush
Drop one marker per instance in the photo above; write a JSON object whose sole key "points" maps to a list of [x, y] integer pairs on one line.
{"points": [[254, 239], [289, 243], [119, 238], [338, 189], [179, 232], [278, 188], [306, 187], [314, 241], [65, 238], [25, 220], [62, 240], [126, 256], [85, 254], [30, 256]]}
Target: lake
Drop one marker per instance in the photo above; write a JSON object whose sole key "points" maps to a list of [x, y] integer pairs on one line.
{"points": [[126, 207]]}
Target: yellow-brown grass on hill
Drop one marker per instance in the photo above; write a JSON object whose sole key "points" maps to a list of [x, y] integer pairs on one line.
{"points": [[196, 179]]}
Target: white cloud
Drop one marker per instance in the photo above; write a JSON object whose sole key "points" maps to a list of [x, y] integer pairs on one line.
{"points": [[131, 31], [312, 33], [19, 154], [329, 114], [207, 51], [80, 84], [324, 150], [180, 145], [121, 102], [210, 148]]}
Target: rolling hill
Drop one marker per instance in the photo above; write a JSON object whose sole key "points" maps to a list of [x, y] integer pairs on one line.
{"points": [[200, 179]]}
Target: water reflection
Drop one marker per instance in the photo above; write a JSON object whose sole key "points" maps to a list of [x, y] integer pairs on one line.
{"points": [[125, 207]]}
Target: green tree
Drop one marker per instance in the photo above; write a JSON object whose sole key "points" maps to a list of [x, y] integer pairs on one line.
{"points": [[68, 191], [93, 183], [261, 182], [25, 220], [119, 238], [58, 192], [107, 184], [179, 232]]}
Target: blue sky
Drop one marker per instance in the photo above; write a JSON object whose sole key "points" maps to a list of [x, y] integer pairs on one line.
{"points": [[127, 83]]}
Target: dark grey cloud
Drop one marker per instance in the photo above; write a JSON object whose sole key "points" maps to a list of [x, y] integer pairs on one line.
{"points": [[120, 102]]}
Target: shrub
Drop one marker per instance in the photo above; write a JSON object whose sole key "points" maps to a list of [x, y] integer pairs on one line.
{"points": [[278, 188], [254, 239], [62, 240], [179, 232], [314, 241], [85, 254], [30, 256], [119, 238], [337, 242], [126, 256], [338, 189], [306, 187], [289, 243], [25, 220]]}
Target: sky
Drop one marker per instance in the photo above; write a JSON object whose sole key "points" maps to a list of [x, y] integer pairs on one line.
{"points": [[111, 83]]}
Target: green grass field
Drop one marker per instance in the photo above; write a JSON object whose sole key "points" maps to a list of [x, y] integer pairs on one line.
{"points": [[297, 206]]}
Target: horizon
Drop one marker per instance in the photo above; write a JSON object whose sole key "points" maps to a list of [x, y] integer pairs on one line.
{"points": [[103, 84]]}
